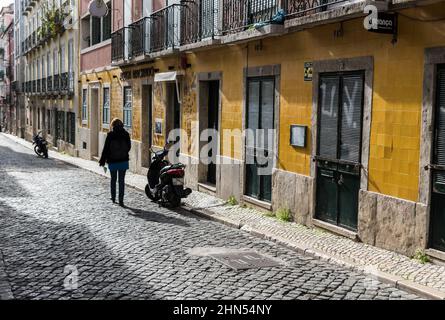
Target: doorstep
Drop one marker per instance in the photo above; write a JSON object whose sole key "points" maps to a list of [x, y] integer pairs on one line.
{"points": [[336, 229], [207, 188], [436, 255]]}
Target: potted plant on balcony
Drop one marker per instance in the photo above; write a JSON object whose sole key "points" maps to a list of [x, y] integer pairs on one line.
{"points": [[53, 19]]}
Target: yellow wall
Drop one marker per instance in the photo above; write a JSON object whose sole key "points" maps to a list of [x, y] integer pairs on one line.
{"points": [[397, 92]]}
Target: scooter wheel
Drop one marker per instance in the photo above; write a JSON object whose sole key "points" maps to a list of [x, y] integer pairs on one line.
{"points": [[171, 197], [38, 152], [149, 194]]}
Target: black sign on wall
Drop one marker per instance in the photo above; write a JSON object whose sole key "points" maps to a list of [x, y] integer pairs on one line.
{"points": [[387, 23]]}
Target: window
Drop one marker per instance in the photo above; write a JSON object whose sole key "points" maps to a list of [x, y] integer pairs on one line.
{"points": [[106, 24], [106, 106], [127, 107], [62, 59], [97, 29], [70, 56], [48, 64], [71, 127], [84, 105], [48, 121], [55, 62]]}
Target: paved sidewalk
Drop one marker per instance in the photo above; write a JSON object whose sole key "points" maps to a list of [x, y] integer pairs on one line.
{"points": [[407, 274], [5, 287]]}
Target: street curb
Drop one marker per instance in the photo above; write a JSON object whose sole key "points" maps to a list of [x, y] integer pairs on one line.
{"points": [[396, 281]]}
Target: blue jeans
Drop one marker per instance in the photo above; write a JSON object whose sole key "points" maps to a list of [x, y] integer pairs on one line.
{"points": [[114, 175]]}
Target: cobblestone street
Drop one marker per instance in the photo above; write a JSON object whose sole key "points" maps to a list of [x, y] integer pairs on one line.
{"points": [[57, 223]]}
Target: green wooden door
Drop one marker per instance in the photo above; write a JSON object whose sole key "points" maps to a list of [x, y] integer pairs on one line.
{"points": [[259, 148], [437, 222], [339, 148]]}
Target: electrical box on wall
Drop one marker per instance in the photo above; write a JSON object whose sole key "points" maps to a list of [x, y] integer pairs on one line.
{"points": [[298, 135]]}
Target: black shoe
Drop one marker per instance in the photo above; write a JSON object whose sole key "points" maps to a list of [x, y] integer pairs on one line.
{"points": [[114, 200], [122, 204]]}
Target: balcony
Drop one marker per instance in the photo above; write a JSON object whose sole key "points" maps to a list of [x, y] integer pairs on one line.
{"points": [[39, 88], [44, 89], [199, 23], [154, 36], [244, 20], [165, 30], [56, 83], [118, 41], [67, 83], [34, 86], [49, 84], [140, 37], [315, 12]]}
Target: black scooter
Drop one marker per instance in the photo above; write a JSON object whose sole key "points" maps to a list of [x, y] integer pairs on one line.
{"points": [[40, 147], [165, 180]]}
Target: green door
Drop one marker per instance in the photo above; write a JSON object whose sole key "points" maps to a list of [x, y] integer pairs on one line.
{"points": [[339, 148], [259, 147], [437, 222]]}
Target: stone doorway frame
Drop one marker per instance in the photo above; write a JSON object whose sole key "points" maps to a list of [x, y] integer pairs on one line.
{"points": [[366, 64], [252, 72], [202, 79], [433, 57]]}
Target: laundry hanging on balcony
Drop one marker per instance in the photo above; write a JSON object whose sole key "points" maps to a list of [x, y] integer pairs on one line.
{"points": [[278, 18]]}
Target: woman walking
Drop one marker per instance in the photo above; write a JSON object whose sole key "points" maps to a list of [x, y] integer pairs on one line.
{"points": [[115, 153]]}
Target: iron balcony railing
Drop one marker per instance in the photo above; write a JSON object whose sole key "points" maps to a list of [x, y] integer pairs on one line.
{"points": [[118, 44], [64, 81], [71, 82], [67, 82], [49, 84], [140, 37], [299, 8], [34, 86], [56, 82], [199, 20], [165, 28], [39, 88], [44, 88], [239, 15]]}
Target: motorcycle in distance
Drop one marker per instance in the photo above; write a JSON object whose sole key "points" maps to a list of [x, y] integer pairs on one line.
{"points": [[165, 180], [40, 147]]}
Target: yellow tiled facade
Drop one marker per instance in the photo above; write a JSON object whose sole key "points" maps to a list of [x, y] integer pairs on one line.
{"points": [[392, 167]]}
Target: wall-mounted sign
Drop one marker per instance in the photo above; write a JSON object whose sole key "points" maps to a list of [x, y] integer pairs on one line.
{"points": [[308, 71], [158, 126], [387, 23], [298, 136]]}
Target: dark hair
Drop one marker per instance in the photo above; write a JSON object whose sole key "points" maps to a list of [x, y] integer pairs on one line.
{"points": [[116, 123]]}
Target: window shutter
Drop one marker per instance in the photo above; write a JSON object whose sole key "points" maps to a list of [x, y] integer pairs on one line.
{"points": [[440, 125], [351, 118], [329, 95]]}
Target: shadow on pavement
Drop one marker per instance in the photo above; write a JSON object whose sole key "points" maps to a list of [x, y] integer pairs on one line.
{"points": [[152, 216], [41, 257], [28, 161]]}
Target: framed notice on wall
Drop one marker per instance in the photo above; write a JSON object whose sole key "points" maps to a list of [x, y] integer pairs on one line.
{"points": [[158, 126], [298, 136]]}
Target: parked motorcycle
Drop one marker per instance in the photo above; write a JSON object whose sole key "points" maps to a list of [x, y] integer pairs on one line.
{"points": [[41, 145], [165, 180]]}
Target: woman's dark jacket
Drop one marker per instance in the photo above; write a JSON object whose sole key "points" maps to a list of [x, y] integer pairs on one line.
{"points": [[117, 146]]}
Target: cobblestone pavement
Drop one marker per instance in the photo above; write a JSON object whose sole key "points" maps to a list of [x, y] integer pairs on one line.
{"points": [[57, 225]]}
